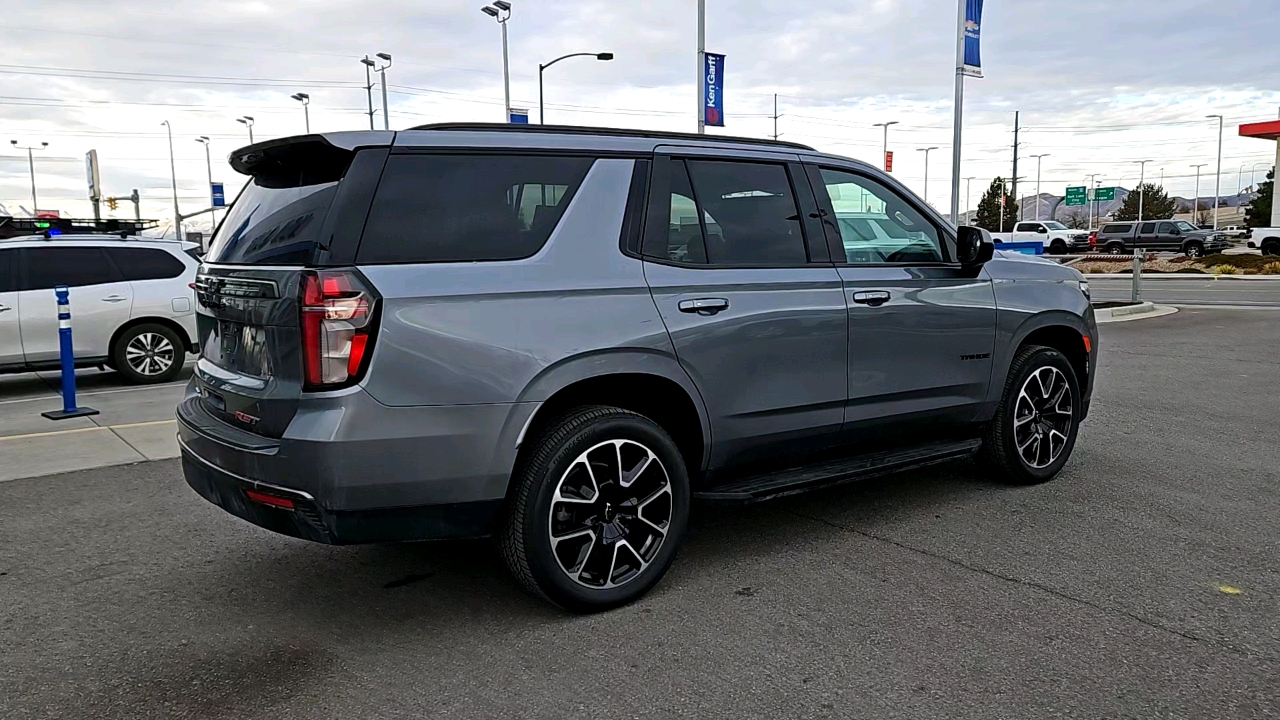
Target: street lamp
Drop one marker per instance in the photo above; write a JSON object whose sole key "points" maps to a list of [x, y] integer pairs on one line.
{"points": [[173, 174], [500, 10], [1217, 186], [926, 170], [305, 99], [1253, 182], [31, 165], [542, 113], [1240, 179], [247, 121], [208, 164], [1092, 200], [1037, 157], [368, 85], [967, 197], [1142, 176], [1195, 204], [884, 157], [382, 72]]}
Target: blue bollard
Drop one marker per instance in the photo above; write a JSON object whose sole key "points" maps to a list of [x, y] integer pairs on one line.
{"points": [[67, 354]]}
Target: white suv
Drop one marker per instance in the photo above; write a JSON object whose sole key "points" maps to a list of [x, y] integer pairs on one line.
{"points": [[132, 303]]}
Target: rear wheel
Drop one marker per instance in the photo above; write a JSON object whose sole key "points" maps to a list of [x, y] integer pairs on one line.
{"points": [[598, 511], [148, 353], [1035, 426], [1115, 248]]}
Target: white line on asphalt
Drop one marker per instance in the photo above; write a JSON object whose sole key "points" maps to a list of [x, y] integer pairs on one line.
{"points": [[1224, 307], [108, 428], [95, 392]]}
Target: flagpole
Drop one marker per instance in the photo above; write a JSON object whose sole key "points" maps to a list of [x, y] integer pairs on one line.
{"points": [[959, 114]]}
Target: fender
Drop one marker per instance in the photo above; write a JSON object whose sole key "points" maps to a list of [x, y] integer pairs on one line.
{"points": [[1013, 328]]}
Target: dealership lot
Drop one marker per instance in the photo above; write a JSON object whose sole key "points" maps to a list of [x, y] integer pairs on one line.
{"points": [[1140, 583]]}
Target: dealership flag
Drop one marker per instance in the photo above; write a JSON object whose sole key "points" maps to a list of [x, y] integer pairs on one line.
{"points": [[972, 31], [713, 89]]}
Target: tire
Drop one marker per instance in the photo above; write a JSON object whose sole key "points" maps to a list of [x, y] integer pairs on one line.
{"points": [[561, 488], [1023, 413], [1271, 247], [1058, 247], [148, 353], [1115, 248], [1193, 249]]}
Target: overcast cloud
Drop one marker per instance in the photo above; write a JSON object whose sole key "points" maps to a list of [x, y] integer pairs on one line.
{"points": [[1099, 84]]}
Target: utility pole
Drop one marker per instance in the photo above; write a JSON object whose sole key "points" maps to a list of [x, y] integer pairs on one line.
{"points": [[173, 174], [700, 85], [31, 166], [884, 156], [1014, 188], [1217, 183], [1037, 157]]}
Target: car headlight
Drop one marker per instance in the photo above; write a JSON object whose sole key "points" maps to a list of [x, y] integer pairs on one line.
{"points": [[1084, 287]]}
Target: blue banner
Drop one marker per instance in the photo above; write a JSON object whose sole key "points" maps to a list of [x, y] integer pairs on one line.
{"points": [[713, 89], [972, 30]]}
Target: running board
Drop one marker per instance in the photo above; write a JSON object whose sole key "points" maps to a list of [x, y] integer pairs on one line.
{"points": [[812, 477]]}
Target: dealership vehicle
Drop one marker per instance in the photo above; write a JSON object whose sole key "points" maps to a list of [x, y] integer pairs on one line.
{"points": [[133, 308], [1266, 239], [1058, 239], [564, 336], [1181, 236], [1237, 232]]}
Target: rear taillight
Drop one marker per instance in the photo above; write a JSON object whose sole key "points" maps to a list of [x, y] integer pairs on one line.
{"points": [[337, 311]]}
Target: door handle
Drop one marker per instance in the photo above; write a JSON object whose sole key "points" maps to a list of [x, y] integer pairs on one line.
{"points": [[874, 298], [704, 306], [114, 298], [4, 308]]}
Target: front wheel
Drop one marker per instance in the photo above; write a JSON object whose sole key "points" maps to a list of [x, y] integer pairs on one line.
{"points": [[148, 353], [1271, 247], [1035, 426], [1058, 248], [598, 511], [1194, 249]]}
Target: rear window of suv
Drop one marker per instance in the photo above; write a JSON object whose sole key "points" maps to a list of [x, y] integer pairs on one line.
{"points": [[1118, 229], [272, 225], [463, 208]]}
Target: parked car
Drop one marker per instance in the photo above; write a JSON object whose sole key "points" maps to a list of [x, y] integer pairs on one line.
{"points": [[1237, 232], [133, 308], [564, 336], [1058, 239], [1266, 239], [1181, 236]]}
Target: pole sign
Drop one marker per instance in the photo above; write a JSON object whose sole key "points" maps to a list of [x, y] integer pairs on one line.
{"points": [[1075, 195], [91, 170], [713, 89], [972, 28], [217, 194], [1107, 193], [520, 116], [888, 161]]}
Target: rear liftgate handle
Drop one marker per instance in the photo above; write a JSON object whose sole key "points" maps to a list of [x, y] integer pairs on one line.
{"points": [[874, 298], [704, 306]]}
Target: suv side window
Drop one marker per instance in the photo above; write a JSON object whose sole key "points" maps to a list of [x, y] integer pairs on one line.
{"points": [[1166, 228], [1116, 229], [145, 263], [46, 267], [1027, 227], [748, 213], [466, 208], [1147, 229], [876, 224], [684, 231]]}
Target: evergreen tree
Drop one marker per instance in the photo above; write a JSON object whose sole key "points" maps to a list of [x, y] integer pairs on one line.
{"points": [[988, 216], [1156, 204], [1259, 212]]}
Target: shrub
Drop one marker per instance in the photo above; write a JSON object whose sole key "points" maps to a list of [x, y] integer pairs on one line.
{"points": [[1226, 269], [1190, 270], [1271, 268], [1246, 262]]}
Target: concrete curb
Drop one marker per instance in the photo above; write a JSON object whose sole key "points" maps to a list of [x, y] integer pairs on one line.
{"points": [[1140, 311], [1180, 276]]}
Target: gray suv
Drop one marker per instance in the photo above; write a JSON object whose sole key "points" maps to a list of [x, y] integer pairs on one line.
{"points": [[1160, 235], [564, 336]]}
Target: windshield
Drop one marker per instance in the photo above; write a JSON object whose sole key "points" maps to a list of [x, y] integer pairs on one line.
{"points": [[1055, 225], [277, 226], [1184, 225]]}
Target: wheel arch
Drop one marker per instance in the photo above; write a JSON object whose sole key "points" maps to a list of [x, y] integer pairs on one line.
{"points": [[187, 342], [1061, 330], [1269, 241]]}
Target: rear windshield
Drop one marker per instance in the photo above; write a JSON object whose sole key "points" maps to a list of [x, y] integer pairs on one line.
{"points": [[272, 225]]}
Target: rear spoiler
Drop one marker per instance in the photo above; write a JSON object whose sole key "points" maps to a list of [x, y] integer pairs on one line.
{"points": [[320, 158]]}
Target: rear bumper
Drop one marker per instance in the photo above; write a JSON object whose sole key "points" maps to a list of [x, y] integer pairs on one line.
{"points": [[357, 471]]}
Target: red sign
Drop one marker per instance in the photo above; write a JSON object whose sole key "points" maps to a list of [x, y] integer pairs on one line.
{"points": [[888, 161], [48, 214]]}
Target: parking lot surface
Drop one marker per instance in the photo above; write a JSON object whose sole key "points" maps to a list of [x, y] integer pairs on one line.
{"points": [[1193, 291], [1141, 583]]}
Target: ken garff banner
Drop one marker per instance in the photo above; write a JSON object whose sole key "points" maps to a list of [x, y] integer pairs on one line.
{"points": [[972, 31], [713, 90]]}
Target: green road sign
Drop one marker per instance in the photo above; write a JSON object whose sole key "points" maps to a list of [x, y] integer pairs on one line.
{"points": [[1076, 195], [1107, 193]]}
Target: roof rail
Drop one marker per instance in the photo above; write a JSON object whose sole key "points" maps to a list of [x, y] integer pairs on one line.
{"points": [[606, 132]]}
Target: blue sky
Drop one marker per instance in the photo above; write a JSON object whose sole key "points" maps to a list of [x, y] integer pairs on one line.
{"points": [[1099, 84]]}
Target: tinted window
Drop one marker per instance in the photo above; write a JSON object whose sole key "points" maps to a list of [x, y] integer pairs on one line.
{"points": [[451, 208], [684, 232], [145, 263], [1147, 229], [1027, 227], [1118, 229], [1165, 228], [272, 225], [46, 267], [8, 270], [749, 213], [876, 224]]}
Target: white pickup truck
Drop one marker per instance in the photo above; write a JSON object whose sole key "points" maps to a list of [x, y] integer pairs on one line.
{"points": [[1266, 239], [1058, 239]]}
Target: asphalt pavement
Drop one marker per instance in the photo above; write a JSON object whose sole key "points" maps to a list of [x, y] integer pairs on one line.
{"points": [[1141, 583], [1195, 291]]}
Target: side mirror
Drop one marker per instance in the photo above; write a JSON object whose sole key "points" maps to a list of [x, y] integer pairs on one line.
{"points": [[1042, 230], [973, 246], [1176, 231]]}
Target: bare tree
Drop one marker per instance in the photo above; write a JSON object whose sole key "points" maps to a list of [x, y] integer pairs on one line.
{"points": [[1075, 218]]}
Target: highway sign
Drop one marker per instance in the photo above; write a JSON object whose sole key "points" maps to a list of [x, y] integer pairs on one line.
{"points": [[1107, 193], [1075, 195]]}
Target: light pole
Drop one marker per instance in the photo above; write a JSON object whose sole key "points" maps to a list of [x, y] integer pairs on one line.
{"points": [[382, 74], [1253, 182], [542, 112], [1092, 199], [31, 166], [884, 157], [1142, 176], [1217, 185], [305, 99], [1239, 179], [699, 83], [368, 85], [967, 197], [208, 164], [500, 10], [1195, 204], [173, 174], [247, 121], [1037, 157], [926, 170]]}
